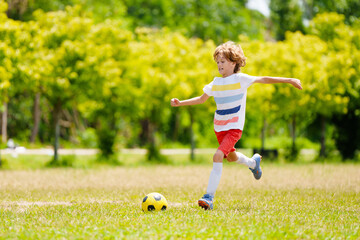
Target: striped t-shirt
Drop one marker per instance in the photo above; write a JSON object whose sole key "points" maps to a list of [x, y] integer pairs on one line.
{"points": [[230, 96]]}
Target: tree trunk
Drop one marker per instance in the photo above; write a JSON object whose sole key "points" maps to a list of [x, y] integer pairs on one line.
{"points": [[57, 115], [37, 117], [263, 130], [144, 136], [16, 9], [153, 153], [192, 136], [322, 139], [293, 132], [4, 123], [70, 123], [78, 123], [175, 131]]}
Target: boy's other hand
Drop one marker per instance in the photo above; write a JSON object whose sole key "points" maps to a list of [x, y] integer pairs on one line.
{"points": [[296, 83], [175, 102]]}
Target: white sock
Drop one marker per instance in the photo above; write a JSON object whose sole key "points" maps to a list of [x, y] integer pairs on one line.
{"points": [[214, 179], [244, 160]]}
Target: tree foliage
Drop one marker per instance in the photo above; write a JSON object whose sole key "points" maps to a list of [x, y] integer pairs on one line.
{"points": [[350, 9], [343, 72], [286, 15], [218, 20], [115, 77]]}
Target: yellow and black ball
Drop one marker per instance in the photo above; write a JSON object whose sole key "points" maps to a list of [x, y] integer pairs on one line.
{"points": [[154, 202]]}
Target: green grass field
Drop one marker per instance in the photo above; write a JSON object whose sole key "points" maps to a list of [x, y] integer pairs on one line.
{"points": [[307, 201]]}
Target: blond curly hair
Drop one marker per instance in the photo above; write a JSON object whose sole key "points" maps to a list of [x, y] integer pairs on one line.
{"points": [[232, 52]]}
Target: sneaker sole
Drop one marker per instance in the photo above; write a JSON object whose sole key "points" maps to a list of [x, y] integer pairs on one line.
{"points": [[258, 173], [204, 205]]}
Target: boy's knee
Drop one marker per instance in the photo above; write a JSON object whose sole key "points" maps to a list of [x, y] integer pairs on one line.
{"points": [[232, 157], [218, 156]]}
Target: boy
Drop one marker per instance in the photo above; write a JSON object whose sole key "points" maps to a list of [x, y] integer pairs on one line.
{"points": [[229, 92]]}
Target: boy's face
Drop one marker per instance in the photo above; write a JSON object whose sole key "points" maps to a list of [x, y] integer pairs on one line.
{"points": [[225, 67]]}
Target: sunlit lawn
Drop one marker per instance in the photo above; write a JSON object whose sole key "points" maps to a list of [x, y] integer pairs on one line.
{"points": [[308, 201]]}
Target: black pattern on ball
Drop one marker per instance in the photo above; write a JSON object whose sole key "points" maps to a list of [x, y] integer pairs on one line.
{"points": [[144, 200], [151, 208], [163, 208]]}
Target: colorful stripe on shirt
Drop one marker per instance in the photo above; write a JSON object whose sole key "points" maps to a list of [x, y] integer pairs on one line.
{"points": [[226, 87], [228, 111], [224, 122], [222, 100]]}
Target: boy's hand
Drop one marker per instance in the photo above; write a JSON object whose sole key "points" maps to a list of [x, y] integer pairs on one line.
{"points": [[175, 102], [296, 83]]}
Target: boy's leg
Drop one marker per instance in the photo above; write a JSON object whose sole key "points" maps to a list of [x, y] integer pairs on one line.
{"points": [[206, 201], [253, 163], [227, 140], [215, 174], [242, 159]]}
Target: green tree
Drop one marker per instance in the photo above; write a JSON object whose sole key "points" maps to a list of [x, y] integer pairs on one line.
{"points": [[217, 20], [62, 46], [23, 9], [349, 8], [308, 58], [104, 10], [323, 91], [343, 73], [13, 39], [107, 100], [286, 15], [164, 64]]}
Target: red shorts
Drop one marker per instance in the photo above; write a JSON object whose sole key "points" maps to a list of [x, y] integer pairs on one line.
{"points": [[227, 140]]}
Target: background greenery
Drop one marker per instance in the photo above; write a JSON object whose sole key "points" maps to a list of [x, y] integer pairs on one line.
{"points": [[101, 73]]}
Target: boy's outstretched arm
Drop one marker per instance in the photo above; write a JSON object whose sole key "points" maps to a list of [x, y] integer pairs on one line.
{"points": [[192, 101], [293, 81]]}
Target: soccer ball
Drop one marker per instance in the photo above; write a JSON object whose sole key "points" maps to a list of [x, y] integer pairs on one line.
{"points": [[154, 202]]}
